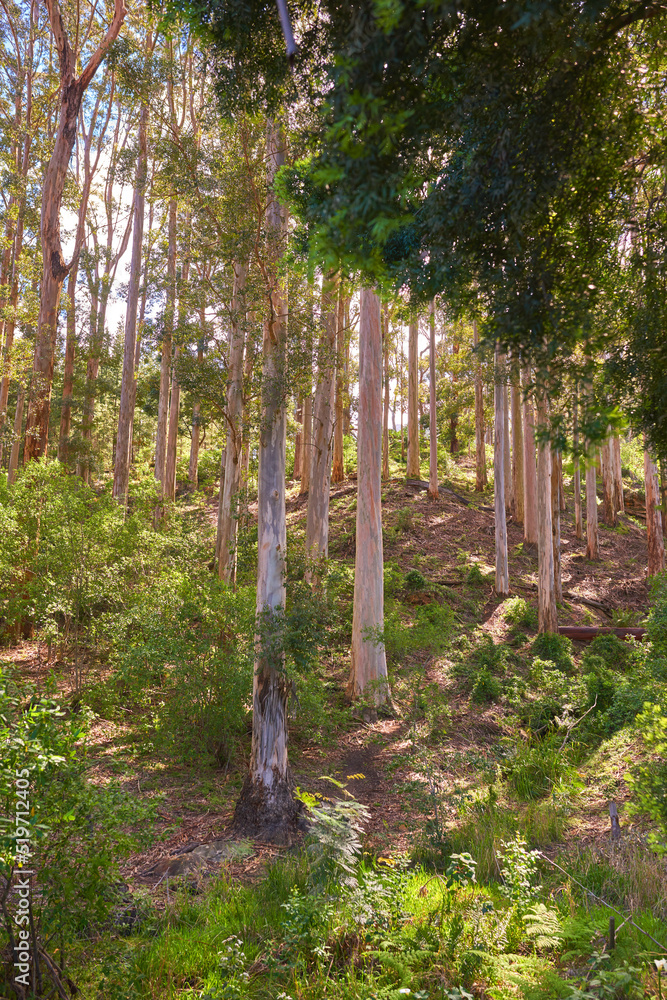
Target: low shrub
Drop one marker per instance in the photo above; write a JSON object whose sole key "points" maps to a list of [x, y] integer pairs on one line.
{"points": [[518, 612], [554, 647]]}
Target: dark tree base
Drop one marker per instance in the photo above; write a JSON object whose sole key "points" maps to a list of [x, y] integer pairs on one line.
{"points": [[273, 815]]}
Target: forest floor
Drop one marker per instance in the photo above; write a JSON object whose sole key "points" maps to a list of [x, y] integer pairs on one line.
{"points": [[442, 539]]}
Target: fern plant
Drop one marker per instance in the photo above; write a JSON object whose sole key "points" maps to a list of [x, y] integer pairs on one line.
{"points": [[334, 835]]}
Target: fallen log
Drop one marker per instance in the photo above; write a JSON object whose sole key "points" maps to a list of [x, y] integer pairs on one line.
{"points": [[586, 633]]}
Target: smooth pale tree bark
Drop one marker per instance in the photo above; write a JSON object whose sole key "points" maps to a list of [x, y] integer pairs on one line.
{"points": [[433, 490], [480, 452], [307, 446], [555, 526], [654, 537], [195, 442], [368, 674], [529, 468], [338, 468], [609, 514], [619, 500], [128, 391], [68, 375], [298, 439], [592, 545], [175, 399], [317, 519], [385, 414], [500, 418], [229, 489], [578, 520], [507, 466], [517, 445], [71, 91], [546, 593], [413, 471], [266, 804], [165, 358], [346, 369]]}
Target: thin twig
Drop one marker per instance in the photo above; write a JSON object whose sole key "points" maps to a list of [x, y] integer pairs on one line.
{"points": [[567, 735]]}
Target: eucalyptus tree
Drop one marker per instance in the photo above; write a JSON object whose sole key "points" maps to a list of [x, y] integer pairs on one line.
{"points": [[80, 42]]}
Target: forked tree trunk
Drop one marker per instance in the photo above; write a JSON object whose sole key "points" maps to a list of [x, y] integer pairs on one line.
{"points": [[230, 484], [317, 520], [368, 675], [307, 446], [55, 270], [266, 804], [578, 520], [529, 468], [654, 536], [592, 547], [555, 527], [128, 392], [500, 417], [165, 359], [385, 414], [412, 471], [480, 451], [546, 593], [338, 468], [517, 445], [433, 490]]}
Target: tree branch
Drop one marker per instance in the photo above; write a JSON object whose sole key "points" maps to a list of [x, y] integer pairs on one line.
{"points": [[98, 55]]}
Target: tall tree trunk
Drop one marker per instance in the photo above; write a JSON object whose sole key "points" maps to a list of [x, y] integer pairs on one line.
{"points": [[654, 536], [175, 400], [500, 400], [433, 412], [97, 321], [346, 370], [266, 802], [385, 413], [368, 675], [298, 439], [619, 501], [555, 527], [193, 465], [578, 521], [338, 469], [480, 451], [68, 377], [307, 446], [592, 547], [530, 531], [16, 444], [607, 483], [317, 520], [507, 467], [128, 392], [413, 471], [229, 489], [55, 270], [546, 592], [517, 444], [165, 360]]}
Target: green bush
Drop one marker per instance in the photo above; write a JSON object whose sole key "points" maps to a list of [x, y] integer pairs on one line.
{"points": [[601, 683], [614, 653], [554, 647], [414, 580], [648, 781], [486, 687], [518, 612]]}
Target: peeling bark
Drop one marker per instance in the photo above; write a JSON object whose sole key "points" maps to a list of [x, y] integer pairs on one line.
{"points": [[412, 471], [592, 548], [480, 451], [654, 537], [578, 520], [529, 466], [338, 467], [546, 592], [165, 359], [433, 413], [517, 446]]}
